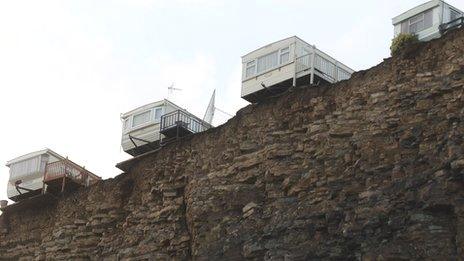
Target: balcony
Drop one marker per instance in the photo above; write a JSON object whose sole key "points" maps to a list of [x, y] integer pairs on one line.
{"points": [[65, 175], [180, 123]]}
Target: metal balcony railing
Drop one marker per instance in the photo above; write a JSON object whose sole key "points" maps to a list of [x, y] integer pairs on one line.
{"points": [[184, 120], [329, 69]]}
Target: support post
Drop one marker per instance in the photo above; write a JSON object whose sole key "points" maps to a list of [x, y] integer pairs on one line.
{"points": [[336, 71], [313, 56], [63, 183], [294, 65], [178, 125]]}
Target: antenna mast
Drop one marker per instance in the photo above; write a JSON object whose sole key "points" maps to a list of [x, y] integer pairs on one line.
{"points": [[171, 89]]}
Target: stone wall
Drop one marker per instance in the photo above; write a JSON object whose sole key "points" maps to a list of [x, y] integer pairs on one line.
{"points": [[367, 169]]}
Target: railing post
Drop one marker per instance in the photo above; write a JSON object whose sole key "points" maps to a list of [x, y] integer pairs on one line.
{"points": [[313, 57], [161, 122], [294, 63]]}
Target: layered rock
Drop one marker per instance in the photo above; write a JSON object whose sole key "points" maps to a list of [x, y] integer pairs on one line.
{"points": [[367, 169]]}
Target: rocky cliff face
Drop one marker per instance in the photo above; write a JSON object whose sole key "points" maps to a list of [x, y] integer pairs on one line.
{"points": [[370, 168]]}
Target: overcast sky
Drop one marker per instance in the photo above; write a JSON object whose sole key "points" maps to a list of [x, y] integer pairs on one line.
{"points": [[69, 68]]}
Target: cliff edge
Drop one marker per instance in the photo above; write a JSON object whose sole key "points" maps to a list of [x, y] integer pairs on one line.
{"points": [[366, 169]]}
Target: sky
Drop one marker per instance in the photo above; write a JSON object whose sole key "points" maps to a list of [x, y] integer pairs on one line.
{"points": [[68, 69]]}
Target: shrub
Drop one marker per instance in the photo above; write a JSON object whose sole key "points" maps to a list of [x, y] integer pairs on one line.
{"points": [[402, 41]]}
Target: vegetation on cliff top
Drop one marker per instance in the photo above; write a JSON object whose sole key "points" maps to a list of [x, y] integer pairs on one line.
{"points": [[402, 41]]}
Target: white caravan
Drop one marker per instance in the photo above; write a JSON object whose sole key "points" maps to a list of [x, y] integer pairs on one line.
{"points": [[428, 21], [289, 62], [145, 127], [44, 171]]}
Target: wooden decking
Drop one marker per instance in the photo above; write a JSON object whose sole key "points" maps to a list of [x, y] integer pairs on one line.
{"points": [[65, 175]]}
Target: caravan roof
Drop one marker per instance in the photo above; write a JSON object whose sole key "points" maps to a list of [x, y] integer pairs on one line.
{"points": [[295, 38], [270, 45], [148, 106], [34, 154], [419, 9]]}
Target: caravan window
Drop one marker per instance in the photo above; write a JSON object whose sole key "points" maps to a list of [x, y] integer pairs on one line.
{"points": [[284, 55], [25, 167], [141, 118], [268, 61], [418, 23], [250, 69], [158, 112]]}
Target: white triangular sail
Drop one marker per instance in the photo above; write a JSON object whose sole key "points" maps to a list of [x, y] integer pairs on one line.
{"points": [[209, 114]]}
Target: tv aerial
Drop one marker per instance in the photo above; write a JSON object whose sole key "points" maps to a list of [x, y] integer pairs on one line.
{"points": [[171, 89]]}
